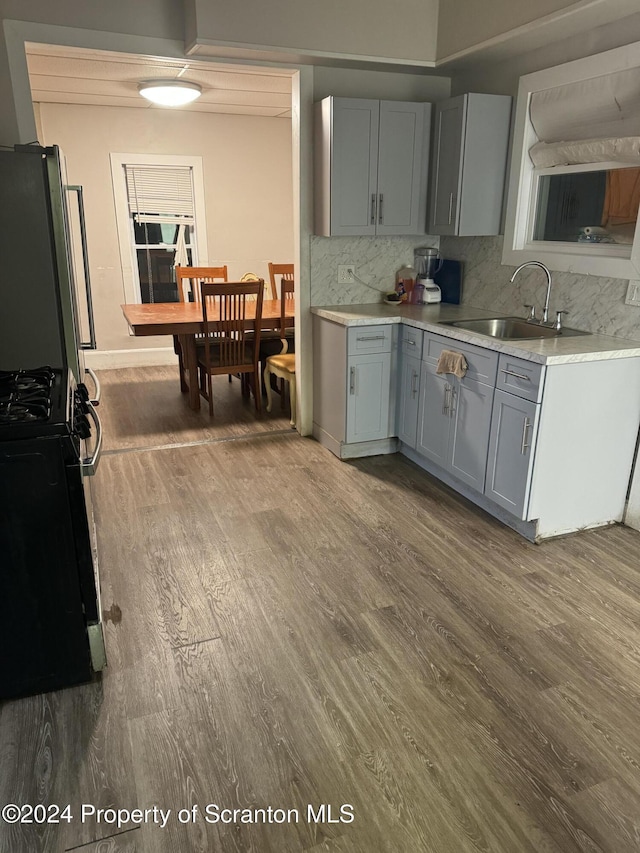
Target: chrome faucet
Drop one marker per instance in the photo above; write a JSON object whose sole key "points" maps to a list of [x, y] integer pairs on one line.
{"points": [[545, 310]]}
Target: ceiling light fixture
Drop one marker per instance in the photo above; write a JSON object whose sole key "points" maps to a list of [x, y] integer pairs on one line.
{"points": [[169, 93]]}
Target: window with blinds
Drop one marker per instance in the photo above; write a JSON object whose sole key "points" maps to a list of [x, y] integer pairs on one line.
{"points": [[162, 210]]}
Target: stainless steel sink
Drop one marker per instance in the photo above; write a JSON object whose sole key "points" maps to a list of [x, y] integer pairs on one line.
{"points": [[511, 328]]}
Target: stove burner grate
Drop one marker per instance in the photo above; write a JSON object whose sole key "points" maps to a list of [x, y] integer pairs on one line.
{"points": [[25, 395]]}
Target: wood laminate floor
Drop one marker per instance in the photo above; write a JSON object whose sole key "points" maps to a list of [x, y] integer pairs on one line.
{"points": [[143, 407], [285, 629]]}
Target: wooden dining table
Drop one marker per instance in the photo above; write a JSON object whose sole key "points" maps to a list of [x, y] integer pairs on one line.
{"points": [[184, 320]]}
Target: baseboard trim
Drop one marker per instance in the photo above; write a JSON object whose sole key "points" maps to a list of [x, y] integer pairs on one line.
{"points": [[528, 529], [355, 450], [112, 359]]}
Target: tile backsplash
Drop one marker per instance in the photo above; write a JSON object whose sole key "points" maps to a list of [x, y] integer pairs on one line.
{"points": [[594, 304], [376, 260]]}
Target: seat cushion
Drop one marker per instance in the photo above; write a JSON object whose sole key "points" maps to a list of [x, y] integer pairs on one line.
{"points": [[287, 362]]}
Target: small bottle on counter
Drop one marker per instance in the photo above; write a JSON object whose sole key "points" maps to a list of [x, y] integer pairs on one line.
{"points": [[405, 279]]}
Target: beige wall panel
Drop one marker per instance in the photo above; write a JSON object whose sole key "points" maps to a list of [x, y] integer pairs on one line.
{"points": [[158, 18], [465, 23], [248, 190], [402, 31]]}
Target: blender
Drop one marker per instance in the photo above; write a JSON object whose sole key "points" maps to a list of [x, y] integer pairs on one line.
{"points": [[428, 263]]}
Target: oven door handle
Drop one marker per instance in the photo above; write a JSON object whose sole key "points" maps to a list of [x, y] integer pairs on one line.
{"points": [[98, 387], [89, 465]]}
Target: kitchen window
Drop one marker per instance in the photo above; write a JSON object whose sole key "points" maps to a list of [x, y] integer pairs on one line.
{"points": [[160, 212], [574, 192]]}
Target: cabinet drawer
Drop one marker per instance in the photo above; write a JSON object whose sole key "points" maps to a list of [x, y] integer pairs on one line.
{"points": [[412, 341], [363, 339], [520, 377], [481, 363]]}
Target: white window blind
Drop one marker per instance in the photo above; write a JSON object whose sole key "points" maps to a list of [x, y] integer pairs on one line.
{"points": [[160, 193], [591, 121]]}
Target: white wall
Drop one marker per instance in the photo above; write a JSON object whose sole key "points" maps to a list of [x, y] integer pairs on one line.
{"points": [[157, 18], [385, 85], [248, 190], [501, 77], [465, 23], [403, 31]]}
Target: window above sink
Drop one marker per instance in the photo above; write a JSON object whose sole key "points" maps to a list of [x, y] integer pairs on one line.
{"points": [[579, 217]]}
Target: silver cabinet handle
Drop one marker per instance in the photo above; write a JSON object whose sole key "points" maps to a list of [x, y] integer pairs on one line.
{"points": [[380, 212], [517, 375], [452, 408], [525, 429], [446, 403], [411, 343], [352, 381], [414, 383], [88, 466], [91, 343], [98, 387], [373, 208], [450, 206], [372, 338]]}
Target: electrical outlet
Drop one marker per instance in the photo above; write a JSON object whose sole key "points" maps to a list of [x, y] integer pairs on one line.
{"points": [[346, 273], [633, 293]]}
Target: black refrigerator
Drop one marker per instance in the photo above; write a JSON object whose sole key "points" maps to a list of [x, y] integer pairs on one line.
{"points": [[50, 432], [47, 312]]}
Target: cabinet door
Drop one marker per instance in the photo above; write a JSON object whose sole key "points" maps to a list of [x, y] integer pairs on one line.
{"points": [[471, 406], [354, 166], [447, 165], [368, 393], [433, 416], [513, 429], [409, 399], [401, 168]]}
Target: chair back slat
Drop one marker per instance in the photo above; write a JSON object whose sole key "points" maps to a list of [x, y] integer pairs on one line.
{"points": [[195, 276], [224, 320], [287, 289], [284, 270]]}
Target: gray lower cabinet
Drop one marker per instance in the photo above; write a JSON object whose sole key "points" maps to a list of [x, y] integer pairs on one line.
{"points": [[514, 425], [409, 400], [453, 424], [434, 421], [353, 396], [368, 397], [471, 403]]}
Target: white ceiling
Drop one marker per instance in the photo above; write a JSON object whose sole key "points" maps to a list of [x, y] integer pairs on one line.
{"points": [[100, 78]]}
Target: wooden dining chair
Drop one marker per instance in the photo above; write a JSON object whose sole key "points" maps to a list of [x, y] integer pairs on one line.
{"points": [[228, 346], [270, 343], [283, 365], [284, 270], [192, 277], [195, 276]]}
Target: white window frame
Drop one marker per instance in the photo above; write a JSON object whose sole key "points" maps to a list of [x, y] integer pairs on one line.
{"points": [[609, 259], [128, 257]]}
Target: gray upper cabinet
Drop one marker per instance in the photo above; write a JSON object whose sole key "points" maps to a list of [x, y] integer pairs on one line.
{"points": [[471, 135], [371, 167]]}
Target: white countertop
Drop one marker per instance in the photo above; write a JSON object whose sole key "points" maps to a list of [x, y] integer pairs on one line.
{"points": [[558, 350]]}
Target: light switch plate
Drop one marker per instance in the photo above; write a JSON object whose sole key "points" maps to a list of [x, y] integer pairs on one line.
{"points": [[633, 293]]}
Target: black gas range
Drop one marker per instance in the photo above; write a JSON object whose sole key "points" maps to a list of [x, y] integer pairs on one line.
{"points": [[50, 440]]}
